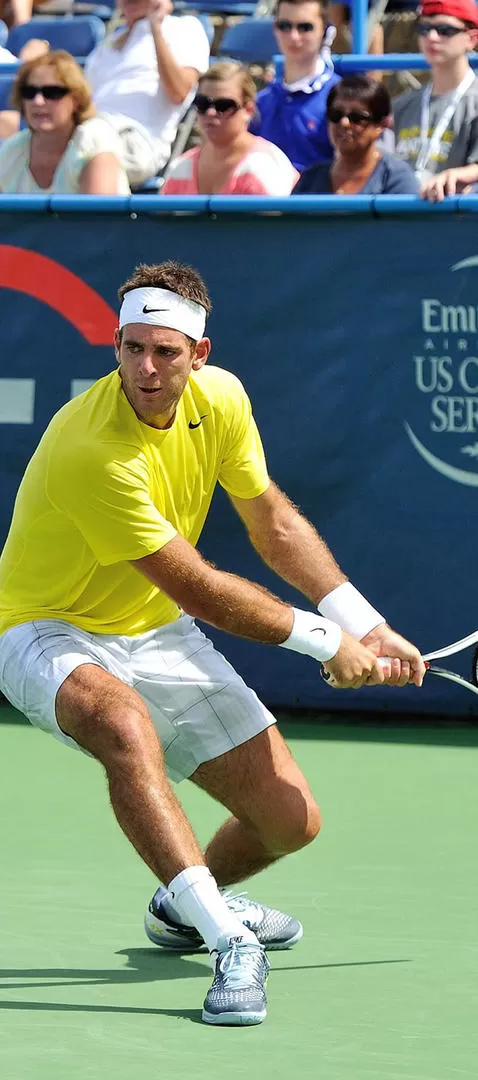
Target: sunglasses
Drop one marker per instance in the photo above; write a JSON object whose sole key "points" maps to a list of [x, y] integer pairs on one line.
{"points": [[354, 117], [442, 29], [220, 105], [50, 93], [286, 26]]}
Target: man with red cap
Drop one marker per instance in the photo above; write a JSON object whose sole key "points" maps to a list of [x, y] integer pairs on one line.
{"points": [[436, 128]]}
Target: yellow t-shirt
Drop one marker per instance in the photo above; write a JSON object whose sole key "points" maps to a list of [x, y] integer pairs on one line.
{"points": [[103, 488]]}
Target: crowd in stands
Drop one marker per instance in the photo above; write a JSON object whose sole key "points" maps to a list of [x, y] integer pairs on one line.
{"points": [[111, 126]]}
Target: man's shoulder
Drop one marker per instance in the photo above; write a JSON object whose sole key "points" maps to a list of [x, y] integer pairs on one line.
{"points": [[217, 382], [90, 422], [410, 100], [183, 27], [471, 96], [270, 92]]}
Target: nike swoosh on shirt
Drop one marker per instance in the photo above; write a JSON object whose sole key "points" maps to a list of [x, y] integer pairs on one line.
{"points": [[315, 628], [193, 425]]}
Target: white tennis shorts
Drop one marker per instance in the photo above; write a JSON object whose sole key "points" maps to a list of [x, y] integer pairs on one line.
{"points": [[199, 705]]}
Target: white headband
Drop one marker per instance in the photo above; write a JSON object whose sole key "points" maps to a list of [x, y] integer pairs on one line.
{"points": [[160, 307]]}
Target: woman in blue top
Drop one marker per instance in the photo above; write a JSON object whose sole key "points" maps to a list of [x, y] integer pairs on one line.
{"points": [[358, 109]]}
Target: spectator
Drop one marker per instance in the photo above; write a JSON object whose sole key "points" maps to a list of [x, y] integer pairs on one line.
{"points": [[357, 112], [65, 147], [143, 79], [291, 113], [437, 127], [230, 160]]}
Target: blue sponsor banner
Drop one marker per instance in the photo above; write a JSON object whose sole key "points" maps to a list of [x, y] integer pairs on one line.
{"points": [[357, 340]]}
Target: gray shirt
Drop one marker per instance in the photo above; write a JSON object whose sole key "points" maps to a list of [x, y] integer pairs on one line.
{"points": [[459, 143]]}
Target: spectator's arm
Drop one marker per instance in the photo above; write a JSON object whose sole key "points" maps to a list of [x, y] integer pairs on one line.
{"points": [[449, 182], [177, 81], [100, 175], [9, 123]]}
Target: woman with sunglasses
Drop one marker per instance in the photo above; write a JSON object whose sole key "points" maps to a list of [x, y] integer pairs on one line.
{"points": [[229, 160], [358, 109], [64, 148]]}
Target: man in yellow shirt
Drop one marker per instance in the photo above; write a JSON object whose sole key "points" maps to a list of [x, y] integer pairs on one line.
{"points": [[100, 582]]}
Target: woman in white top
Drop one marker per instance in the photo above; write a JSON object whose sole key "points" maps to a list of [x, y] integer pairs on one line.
{"points": [[65, 148]]}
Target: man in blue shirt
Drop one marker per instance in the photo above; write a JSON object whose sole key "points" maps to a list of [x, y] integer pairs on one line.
{"points": [[291, 111]]}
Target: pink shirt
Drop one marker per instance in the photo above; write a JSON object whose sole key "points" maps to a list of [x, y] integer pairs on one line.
{"points": [[264, 170]]}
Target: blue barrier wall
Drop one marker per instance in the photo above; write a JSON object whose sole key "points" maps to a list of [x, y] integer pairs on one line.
{"points": [[356, 336]]}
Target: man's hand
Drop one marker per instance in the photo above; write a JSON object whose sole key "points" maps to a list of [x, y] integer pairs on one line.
{"points": [[158, 9], [449, 182], [406, 665], [354, 665]]}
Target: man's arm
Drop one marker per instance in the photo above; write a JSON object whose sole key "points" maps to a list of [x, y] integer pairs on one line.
{"points": [[177, 81], [241, 607], [291, 546]]}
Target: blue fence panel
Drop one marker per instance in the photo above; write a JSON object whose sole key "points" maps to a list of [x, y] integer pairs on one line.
{"points": [[357, 339]]}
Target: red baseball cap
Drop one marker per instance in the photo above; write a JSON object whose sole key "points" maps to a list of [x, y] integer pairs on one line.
{"points": [[466, 10]]}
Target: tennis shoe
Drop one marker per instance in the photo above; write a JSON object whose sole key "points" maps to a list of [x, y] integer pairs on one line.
{"points": [[273, 929], [237, 994]]}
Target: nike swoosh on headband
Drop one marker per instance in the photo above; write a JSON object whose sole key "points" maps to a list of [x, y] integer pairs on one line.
{"points": [[150, 310]]}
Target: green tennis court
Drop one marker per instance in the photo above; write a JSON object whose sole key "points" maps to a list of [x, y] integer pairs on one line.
{"points": [[383, 985]]}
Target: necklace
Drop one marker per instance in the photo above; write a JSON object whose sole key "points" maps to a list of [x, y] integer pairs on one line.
{"points": [[376, 155]]}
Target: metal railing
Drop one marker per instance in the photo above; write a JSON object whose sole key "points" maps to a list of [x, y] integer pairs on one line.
{"points": [[212, 206]]}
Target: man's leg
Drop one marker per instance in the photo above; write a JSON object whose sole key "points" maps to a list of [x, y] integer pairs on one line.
{"points": [[111, 721], [274, 811]]}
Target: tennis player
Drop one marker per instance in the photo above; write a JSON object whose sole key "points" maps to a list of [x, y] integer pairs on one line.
{"points": [[100, 582]]}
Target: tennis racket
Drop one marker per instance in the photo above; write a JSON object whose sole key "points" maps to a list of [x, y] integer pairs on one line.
{"points": [[441, 654], [450, 650]]}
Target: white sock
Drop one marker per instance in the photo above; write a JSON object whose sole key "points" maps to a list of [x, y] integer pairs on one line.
{"points": [[195, 899]]}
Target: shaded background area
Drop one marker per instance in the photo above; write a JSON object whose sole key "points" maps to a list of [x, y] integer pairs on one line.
{"points": [[383, 986]]}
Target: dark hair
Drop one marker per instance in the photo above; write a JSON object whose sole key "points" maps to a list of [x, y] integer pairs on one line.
{"points": [[177, 277], [371, 93], [321, 4]]}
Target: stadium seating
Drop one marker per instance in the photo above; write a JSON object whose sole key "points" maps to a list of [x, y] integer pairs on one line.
{"points": [[6, 83], [77, 34], [252, 42], [215, 7]]}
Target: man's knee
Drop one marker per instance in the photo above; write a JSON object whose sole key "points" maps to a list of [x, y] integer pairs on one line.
{"points": [[128, 735], [112, 722], [291, 826]]}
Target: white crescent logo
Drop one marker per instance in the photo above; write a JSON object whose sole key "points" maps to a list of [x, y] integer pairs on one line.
{"points": [[465, 263], [461, 476]]}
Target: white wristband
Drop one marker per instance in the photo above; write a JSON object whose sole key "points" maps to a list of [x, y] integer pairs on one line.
{"points": [[313, 636], [351, 610]]}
